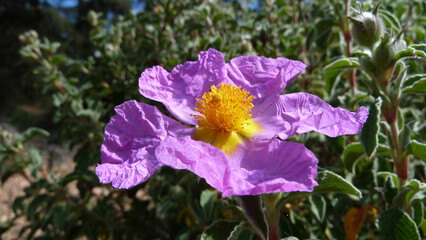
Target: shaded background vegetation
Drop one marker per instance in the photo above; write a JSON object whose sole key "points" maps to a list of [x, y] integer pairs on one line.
{"points": [[64, 68]]}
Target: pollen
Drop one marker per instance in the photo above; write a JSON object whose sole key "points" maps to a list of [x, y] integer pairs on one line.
{"points": [[225, 120], [224, 109]]}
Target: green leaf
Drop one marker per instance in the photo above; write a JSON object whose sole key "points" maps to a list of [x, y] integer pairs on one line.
{"points": [[389, 190], [422, 225], [207, 203], [33, 132], [419, 47], [60, 213], [407, 192], [18, 204], [318, 206], [237, 231], [253, 210], [352, 153], [220, 230], [413, 79], [320, 33], [329, 182], [35, 203], [418, 149], [369, 135], [394, 224], [383, 151], [333, 69], [394, 177], [413, 51], [417, 208], [390, 20], [36, 161], [58, 59], [417, 87]]}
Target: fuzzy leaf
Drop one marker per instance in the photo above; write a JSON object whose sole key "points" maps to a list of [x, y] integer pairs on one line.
{"points": [[412, 80], [207, 203], [394, 224], [393, 176], [33, 132], [418, 149], [351, 155], [333, 69], [390, 190], [416, 50], [417, 87], [417, 208], [252, 206], [219, 230], [237, 231], [330, 182], [318, 206], [369, 136], [390, 20], [35, 203], [406, 193]]}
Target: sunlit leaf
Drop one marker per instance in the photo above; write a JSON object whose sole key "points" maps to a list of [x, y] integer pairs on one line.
{"points": [[369, 135], [394, 224]]}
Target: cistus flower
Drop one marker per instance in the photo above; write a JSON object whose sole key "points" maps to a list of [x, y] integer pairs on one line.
{"points": [[238, 120]]}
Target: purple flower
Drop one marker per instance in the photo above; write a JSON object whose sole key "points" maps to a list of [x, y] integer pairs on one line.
{"points": [[238, 114]]}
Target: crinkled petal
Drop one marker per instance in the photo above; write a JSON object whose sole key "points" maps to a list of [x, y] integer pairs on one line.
{"points": [[179, 89], [316, 115], [198, 157], [131, 137], [258, 167], [273, 121], [271, 166], [263, 77]]}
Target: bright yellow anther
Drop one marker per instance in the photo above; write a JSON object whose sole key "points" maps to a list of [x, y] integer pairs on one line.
{"points": [[225, 117], [216, 98]]}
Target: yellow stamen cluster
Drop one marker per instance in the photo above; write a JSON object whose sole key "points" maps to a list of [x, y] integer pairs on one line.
{"points": [[225, 119], [224, 109]]}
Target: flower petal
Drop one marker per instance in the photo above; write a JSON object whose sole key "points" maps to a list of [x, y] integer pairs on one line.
{"points": [[179, 89], [316, 115], [198, 157], [263, 77], [271, 166], [258, 167], [273, 121], [131, 137]]}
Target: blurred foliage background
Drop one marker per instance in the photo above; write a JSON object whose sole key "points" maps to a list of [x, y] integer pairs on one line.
{"points": [[65, 65]]}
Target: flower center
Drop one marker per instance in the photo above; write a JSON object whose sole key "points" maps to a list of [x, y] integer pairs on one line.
{"points": [[224, 109], [225, 117]]}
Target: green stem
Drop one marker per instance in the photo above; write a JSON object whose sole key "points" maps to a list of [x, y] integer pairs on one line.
{"points": [[273, 233], [400, 162], [272, 209]]}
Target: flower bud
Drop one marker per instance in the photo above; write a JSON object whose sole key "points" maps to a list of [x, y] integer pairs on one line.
{"points": [[384, 56], [367, 28]]}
